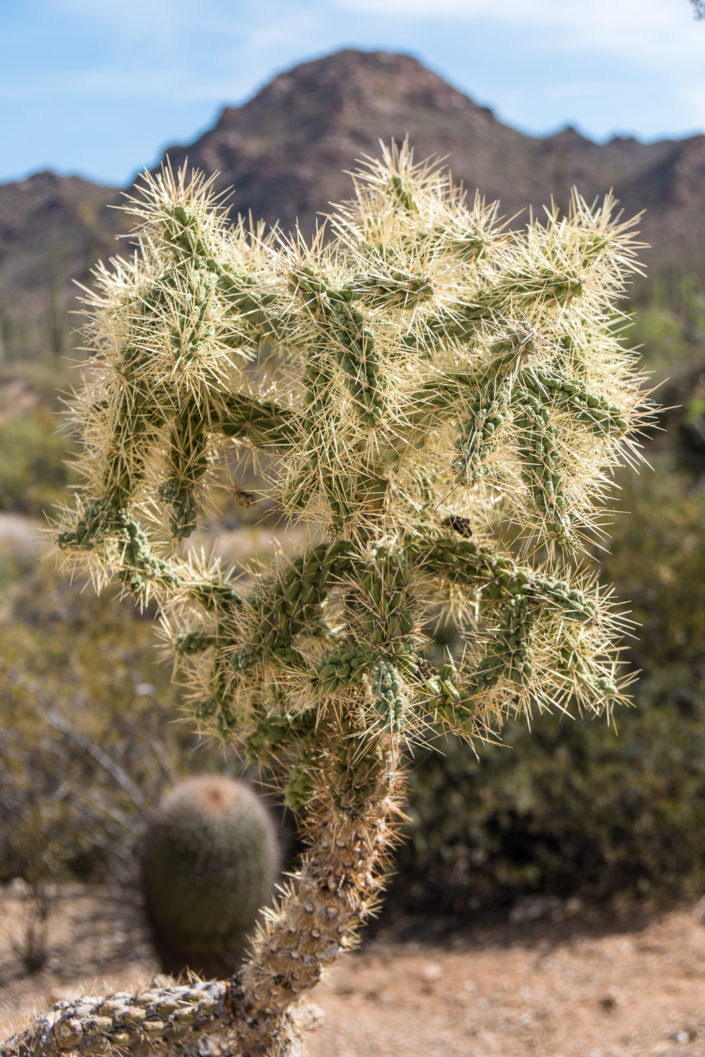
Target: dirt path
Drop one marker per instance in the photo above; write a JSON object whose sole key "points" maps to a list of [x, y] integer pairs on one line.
{"points": [[560, 987]]}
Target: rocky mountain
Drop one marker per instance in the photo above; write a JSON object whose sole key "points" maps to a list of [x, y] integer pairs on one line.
{"points": [[284, 152]]}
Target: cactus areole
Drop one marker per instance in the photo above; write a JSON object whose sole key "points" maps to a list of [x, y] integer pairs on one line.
{"points": [[450, 400]]}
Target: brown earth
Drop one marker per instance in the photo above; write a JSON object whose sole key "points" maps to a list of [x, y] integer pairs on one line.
{"points": [[567, 985]]}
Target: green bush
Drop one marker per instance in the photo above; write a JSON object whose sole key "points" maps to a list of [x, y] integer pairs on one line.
{"points": [[34, 470]]}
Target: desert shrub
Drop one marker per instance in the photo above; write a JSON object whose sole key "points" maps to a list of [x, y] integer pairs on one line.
{"points": [[34, 469], [566, 810], [86, 748], [669, 326]]}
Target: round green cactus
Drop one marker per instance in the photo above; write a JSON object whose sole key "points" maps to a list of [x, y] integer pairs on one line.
{"points": [[211, 855]]}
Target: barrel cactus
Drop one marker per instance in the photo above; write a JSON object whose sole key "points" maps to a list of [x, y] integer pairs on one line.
{"points": [[449, 401], [210, 859]]}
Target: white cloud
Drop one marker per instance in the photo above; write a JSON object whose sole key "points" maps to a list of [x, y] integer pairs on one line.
{"points": [[657, 29]]}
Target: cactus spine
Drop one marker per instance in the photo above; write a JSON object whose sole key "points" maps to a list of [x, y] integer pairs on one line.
{"points": [[210, 860], [453, 400]]}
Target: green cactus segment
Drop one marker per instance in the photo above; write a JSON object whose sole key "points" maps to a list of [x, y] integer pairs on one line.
{"points": [[499, 578], [182, 305], [210, 860], [321, 427], [193, 642], [256, 307], [93, 527], [543, 467], [290, 604], [300, 785], [214, 596], [385, 287], [446, 393], [461, 239], [259, 315], [389, 700], [283, 607], [187, 463], [387, 604], [192, 313], [400, 193], [292, 737], [443, 690], [183, 232], [264, 423], [343, 328], [590, 680], [478, 438], [573, 396], [136, 565], [505, 663], [461, 323], [140, 569], [547, 284], [125, 464], [275, 734], [508, 654], [342, 668]]}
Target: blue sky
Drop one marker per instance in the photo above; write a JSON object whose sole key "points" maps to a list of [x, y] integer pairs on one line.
{"points": [[100, 87]]}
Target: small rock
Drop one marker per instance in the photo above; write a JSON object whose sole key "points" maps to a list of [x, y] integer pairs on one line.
{"points": [[533, 908], [430, 972]]}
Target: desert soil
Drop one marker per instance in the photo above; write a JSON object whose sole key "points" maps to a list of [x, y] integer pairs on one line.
{"points": [[551, 979]]}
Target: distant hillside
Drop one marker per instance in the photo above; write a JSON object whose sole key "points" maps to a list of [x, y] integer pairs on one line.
{"points": [[284, 150]]}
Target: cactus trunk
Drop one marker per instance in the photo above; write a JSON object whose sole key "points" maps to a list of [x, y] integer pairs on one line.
{"points": [[350, 829]]}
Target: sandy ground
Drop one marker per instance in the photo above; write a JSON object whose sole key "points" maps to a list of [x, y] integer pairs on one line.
{"points": [[565, 985]]}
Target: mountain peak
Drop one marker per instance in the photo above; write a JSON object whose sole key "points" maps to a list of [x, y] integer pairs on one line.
{"points": [[350, 82], [569, 137]]}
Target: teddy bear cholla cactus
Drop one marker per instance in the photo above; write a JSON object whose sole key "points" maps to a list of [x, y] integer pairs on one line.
{"points": [[449, 402]]}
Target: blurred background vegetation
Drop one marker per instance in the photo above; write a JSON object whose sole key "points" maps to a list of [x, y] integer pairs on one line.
{"points": [[92, 731]]}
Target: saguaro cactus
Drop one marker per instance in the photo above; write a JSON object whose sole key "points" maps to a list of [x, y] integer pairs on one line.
{"points": [[451, 400]]}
